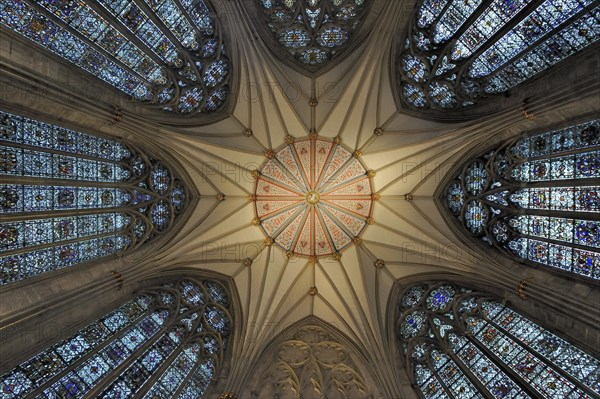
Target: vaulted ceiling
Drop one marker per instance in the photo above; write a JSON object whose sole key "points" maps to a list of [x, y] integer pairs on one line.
{"points": [[353, 100]]}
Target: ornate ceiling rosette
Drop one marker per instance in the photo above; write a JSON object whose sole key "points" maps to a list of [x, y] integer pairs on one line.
{"points": [[313, 196]]}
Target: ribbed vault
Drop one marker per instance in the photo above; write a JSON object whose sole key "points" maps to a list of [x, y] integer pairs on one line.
{"points": [[411, 157]]}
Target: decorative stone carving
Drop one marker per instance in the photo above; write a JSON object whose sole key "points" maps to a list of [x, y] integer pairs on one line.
{"points": [[312, 364]]}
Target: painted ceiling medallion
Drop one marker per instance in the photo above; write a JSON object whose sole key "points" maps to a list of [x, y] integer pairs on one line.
{"points": [[313, 197]]}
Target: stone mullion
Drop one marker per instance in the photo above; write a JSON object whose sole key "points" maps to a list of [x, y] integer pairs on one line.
{"points": [[156, 374], [72, 366], [551, 156], [63, 153], [123, 231], [112, 376], [545, 360], [153, 16], [87, 41], [524, 385], [564, 243], [446, 48], [193, 370], [514, 21], [119, 26], [436, 376], [539, 41], [199, 33], [22, 216], [53, 181], [444, 347], [465, 370]]}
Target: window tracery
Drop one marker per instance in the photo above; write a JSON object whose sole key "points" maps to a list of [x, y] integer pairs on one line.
{"points": [[464, 344], [168, 341], [69, 197], [456, 52], [536, 198], [165, 53], [313, 31]]}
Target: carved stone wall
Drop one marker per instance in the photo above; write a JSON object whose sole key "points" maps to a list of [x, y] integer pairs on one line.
{"points": [[310, 362]]}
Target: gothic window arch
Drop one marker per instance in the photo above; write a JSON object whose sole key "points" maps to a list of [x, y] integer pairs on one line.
{"points": [[456, 52], [312, 31], [168, 54], [536, 198], [69, 197], [464, 344], [167, 342]]}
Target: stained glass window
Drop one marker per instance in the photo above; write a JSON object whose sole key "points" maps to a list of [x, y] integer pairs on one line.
{"points": [[456, 52], [313, 30], [537, 198], [166, 53], [463, 344], [69, 197], [167, 342]]}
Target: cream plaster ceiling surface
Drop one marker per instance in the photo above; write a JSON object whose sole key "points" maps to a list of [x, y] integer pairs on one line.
{"points": [[406, 237], [352, 102]]}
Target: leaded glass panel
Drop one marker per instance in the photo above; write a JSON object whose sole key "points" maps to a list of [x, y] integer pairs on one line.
{"points": [[536, 198], [313, 31], [69, 197], [167, 54], [473, 346], [456, 52], [144, 346]]}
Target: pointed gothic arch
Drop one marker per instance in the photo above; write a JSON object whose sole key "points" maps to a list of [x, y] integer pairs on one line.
{"points": [[167, 55], [462, 343], [456, 59], [167, 341], [70, 197], [534, 198]]}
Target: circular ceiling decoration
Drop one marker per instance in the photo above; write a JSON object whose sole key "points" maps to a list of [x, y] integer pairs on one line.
{"points": [[313, 197]]}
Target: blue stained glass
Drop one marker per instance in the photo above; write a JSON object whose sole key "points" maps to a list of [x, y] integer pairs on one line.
{"points": [[332, 37], [414, 68], [442, 95], [456, 197], [20, 17], [429, 385], [468, 54], [495, 344], [581, 33], [440, 298], [489, 22], [313, 56], [294, 38], [313, 31], [476, 216], [495, 380], [537, 24], [84, 36], [412, 324], [547, 172], [51, 155], [74, 366], [414, 95], [429, 11], [456, 14]]}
